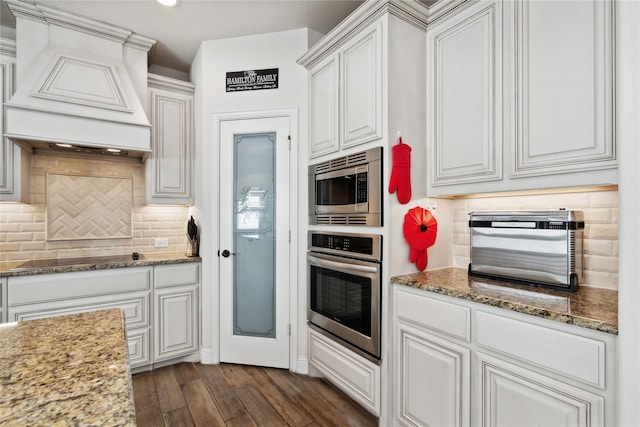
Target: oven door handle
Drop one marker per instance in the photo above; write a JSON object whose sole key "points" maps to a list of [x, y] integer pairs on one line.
{"points": [[341, 265]]}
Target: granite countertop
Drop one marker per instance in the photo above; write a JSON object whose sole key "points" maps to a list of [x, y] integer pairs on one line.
{"points": [[68, 370], [64, 265], [591, 308]]}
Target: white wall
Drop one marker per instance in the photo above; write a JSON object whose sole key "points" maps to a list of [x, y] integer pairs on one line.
{"points": [[628, 135], [214, 59]]}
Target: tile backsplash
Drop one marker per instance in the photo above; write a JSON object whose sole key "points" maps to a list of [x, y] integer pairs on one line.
{"points": [[23, 227], [600, 210]]}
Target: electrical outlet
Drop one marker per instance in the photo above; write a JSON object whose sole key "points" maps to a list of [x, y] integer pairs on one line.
{"points": [[161, 242]]}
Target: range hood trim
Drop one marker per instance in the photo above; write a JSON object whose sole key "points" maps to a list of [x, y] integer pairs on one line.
{"points": [[53, 16], [85, 84]]}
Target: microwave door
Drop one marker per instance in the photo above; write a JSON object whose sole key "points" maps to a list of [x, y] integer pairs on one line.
{"points": [[342, 192]]}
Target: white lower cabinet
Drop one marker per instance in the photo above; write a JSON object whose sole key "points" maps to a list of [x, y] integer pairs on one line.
{"points": [[176, 320], [353, 374], [176, 310], [138, 343], [432, 379], [173, 328], [512, 369], [515, 396]]}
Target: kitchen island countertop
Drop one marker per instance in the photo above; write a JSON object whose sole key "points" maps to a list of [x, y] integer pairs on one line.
{"points": [[65, 265], [68, 370], [592, 308]]}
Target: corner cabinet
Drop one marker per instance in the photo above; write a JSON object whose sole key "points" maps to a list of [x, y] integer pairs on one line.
{"points": [[160, 304], [345, 93], [520, 96], [459, 363], [169, 168], [15, 168]]}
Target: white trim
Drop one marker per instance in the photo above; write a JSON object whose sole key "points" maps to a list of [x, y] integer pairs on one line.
{"points": [[302, 367], [208, 356], [292, 115]]}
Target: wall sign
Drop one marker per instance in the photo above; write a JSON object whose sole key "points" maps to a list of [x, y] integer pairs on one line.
{"points": [[238, 81]]}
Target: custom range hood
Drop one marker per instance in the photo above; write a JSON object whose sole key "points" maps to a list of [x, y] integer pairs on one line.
{"points": [[80, 82]]}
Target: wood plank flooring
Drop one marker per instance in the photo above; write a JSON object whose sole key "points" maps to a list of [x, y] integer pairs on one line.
{"points": [[193, 394]]}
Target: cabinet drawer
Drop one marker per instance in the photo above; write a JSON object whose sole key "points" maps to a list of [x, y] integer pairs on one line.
{"points": [[353, 374], [80, 284], [138, 346], [176, 275], [136, 308], [440, 316], [572, 356]]}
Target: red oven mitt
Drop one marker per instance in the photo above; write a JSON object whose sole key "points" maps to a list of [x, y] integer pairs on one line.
{"points": [[401, 172], [420, 231]]}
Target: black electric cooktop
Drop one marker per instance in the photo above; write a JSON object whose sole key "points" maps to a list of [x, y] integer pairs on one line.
{"points": [[64, 262]]}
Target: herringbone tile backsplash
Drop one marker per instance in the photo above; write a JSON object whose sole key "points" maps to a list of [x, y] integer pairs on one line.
{"points": [[90, 207]]}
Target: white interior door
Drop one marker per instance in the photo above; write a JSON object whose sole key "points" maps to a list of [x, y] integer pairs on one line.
{"points": [[254, 241]]}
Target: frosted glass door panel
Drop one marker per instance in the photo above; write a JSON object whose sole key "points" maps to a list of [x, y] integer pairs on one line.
{"points": [[254, 235]]}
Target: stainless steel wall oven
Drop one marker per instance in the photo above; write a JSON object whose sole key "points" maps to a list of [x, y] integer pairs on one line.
{"points": [[344, 288]]}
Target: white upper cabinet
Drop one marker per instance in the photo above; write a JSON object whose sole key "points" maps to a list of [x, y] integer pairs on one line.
{"points": [[345, 94], [169, 171], [464, 113], [323, 94], [361, 85], [520, 96], [562, 95], [14, 161]]}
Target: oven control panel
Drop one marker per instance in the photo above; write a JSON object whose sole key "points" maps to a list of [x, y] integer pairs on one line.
{"points": [[346, 243]]}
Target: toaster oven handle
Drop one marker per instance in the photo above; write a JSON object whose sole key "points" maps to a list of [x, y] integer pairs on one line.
{"points": [[326, 263]]}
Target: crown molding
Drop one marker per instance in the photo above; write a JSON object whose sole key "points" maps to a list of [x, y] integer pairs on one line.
{"points": [[7, 47], [53, 16], [411, 12]]}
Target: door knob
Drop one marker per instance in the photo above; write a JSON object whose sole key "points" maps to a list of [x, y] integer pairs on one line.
{"points": [[226, 253]]}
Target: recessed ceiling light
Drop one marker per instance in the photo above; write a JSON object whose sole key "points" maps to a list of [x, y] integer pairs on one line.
{"points": [[113, 150], [169, 3], [64, 145]]}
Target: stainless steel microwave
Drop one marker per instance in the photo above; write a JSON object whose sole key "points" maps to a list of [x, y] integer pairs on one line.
{"points": [[347, 190]]}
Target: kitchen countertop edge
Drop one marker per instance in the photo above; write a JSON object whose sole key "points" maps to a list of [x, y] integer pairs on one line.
{"points": [[7, 269], [459, 290]]}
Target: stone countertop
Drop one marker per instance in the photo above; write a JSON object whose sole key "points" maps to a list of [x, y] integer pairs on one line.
{"points": [[68, 370], [591, 308], [65, 265]]}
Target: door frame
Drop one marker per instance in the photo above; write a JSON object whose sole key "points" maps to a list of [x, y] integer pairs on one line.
{"points": [[292, 115]]}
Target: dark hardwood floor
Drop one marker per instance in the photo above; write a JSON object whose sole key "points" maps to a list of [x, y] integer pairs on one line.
{"points": [[193, 394]]}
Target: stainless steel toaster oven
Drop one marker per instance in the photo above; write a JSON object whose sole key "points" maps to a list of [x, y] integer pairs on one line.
{"points": [[534, 247]]}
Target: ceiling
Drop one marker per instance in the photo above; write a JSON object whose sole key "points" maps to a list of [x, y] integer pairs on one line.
{"points": [[179, 30]]}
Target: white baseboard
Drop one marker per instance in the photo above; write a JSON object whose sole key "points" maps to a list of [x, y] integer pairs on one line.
{"points": [[302, 366], [209, 357]]}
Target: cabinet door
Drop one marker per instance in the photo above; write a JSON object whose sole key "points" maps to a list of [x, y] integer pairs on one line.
{"points": [[513, 396], [464, 96], [562, 98], [361, 85], [176, 322], [15, 169], [169, 168], [433, 377], [323, 108], [138, 347]]}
